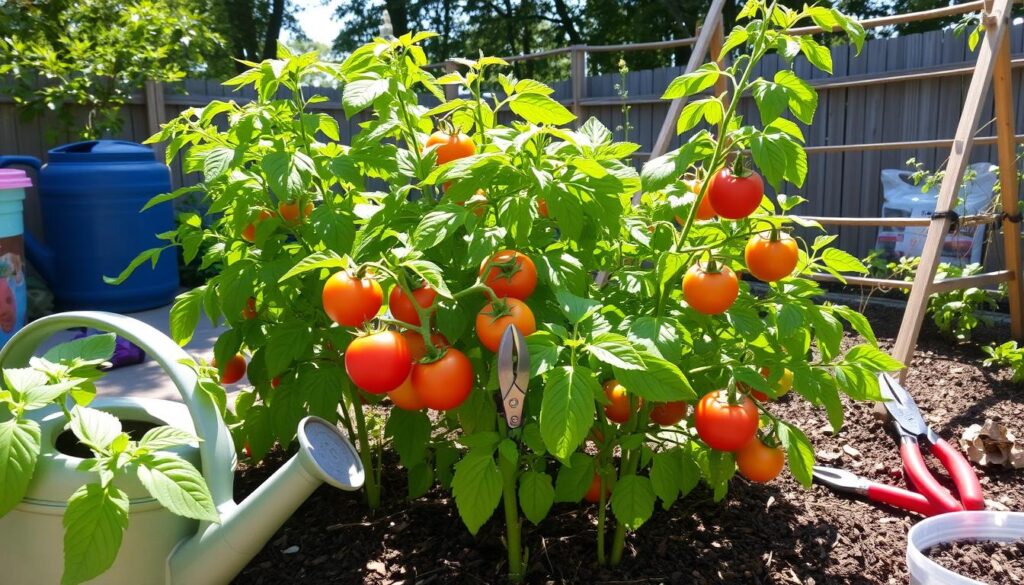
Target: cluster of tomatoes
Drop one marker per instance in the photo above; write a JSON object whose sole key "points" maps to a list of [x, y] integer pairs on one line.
{"points": [[711, 288], [288, 211]]}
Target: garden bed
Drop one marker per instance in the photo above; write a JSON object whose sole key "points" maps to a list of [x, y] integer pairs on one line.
{"points": [[775, 533]]}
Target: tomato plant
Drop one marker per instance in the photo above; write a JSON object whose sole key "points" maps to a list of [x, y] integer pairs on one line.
{"points": [[383, 219]]}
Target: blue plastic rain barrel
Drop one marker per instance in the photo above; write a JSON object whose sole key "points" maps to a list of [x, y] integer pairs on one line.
{"points": [[90, 194]]}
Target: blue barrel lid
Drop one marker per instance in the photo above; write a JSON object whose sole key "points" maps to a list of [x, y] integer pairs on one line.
{"points": [[101, 151]]}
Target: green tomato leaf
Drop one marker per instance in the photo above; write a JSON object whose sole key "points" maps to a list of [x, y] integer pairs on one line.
{"points": [[410, 435], [437, 225], [858, 321], [633, 501], [799, 452], [358, 95], [166, 436], [476, 488], [574, 478], [693, 83], [771, 100], [536, 495], [802, 98], [538, 108], [871, 358], [567, 409], [184, 316], [94, 428], [709, 109], [666, 469], [20, 443], [91, 348], [818, 55], [576, 309], [178, 486], [658, 380], [657, 173], [616, 351], [544, 351], [316, 261], [286, 343], [94, 524], [842, 261]]}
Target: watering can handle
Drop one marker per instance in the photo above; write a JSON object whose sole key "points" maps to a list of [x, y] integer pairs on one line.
{"points": [[216, 446], [27, 161]]}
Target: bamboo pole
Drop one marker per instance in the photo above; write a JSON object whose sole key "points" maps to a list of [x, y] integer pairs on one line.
{"points": [[913, 317]]}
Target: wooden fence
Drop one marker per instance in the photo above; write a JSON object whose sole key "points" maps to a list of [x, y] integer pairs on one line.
{"points": [[901, 90]]}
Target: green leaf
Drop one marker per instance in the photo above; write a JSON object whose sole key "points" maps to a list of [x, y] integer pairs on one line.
{"points": [[616, 351], [737, 37], [633, 501], [658, 335], [659, 172], [692, 83], [574, 478], [658, 381], [576, 309], [184, 316], [20, 443], [790, 319], [708, 109], [150, 255], [358, 95], [432, 274], [842, 261], [94, 524], [771, 100], [94, 428], [316, 261], [666, 469], [818, 55], [90, 348], [536, 495], [216, 162], [410, 435], [803, 100], [476, 488], [544, 352], [531, 86], [799, 452], [858, 321], [166, 436], [829, 332], [567, 409], [178, 486], [437, 225], [872, 358], [537, 108], [286, 343], [285, 171]]}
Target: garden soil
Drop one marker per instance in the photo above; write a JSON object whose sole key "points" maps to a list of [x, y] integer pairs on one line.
{"points": [[774, 533]]}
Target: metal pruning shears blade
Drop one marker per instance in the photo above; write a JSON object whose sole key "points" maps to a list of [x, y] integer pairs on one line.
{"points": [[513, 374]]}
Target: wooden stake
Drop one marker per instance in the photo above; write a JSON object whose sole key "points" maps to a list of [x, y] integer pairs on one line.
{"points": [[913, 318], [1002, 93], [156, 113]]}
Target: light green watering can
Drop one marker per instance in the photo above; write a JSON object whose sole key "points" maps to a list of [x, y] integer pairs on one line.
{"points": [[160, 547]]}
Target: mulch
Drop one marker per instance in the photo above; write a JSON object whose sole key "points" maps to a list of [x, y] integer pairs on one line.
{"points": [[774, 533], [986, 561]]}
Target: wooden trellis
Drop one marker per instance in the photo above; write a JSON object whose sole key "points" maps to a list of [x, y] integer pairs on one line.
{"points": [[993, 67]]}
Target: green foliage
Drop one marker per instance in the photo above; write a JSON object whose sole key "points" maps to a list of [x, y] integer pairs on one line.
{"points": [[384, 208], [97, 513], [84, 60], [1007, 355]]}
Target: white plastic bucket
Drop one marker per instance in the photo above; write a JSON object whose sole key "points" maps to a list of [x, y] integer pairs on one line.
{"points": [[957, 526]]}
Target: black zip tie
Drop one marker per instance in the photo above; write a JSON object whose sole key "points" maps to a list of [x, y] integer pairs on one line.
{"points": [[1015, 218], [954, 219]]}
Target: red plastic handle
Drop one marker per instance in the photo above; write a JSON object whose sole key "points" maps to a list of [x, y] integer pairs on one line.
{"points": [[901, 498], [962, 474], [923, 479]]}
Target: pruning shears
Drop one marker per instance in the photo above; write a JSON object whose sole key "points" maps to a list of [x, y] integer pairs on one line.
{"points": [[930, 498], [513, 374]]}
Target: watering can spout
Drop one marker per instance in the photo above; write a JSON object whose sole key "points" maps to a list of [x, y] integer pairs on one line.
{"points": [[218, 552]]}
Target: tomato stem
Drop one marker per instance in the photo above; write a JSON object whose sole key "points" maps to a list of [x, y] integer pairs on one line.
{"points": [[370, 483], [513, 525]]}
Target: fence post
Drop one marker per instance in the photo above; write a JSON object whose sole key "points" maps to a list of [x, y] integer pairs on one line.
{"points": [[578, 79], [156, 113], [451, 91], [1002, 94]]}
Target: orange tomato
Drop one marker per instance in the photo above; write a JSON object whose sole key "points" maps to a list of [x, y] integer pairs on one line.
{"points": [[233, 370], [446, 383], [402, 306], [249, 312], [593, 494], [770, 260], [418, 349], [351, 301], [710, 293], [249, 231], [405, 396], [542, 207], [512, 274], [289, 211], [618, 409], [490, 326], [759, 462], [724, 426], [451, 146]]}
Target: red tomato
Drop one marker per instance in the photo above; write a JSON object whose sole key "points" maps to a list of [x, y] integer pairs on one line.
{"points": [[710, 293], [379, 362], [618, 410], [405, 396], [759, 462], [249, 312], [249, 231], [233, 370], [542, 207], [593, 494], [512, 274], [724, 426], [770, 260], [289, 211], [418, 349], [451, 146], [667, 414], [490, 328], [735, 197], [350, 301], [445, 383], [275, 382], [401, 305]]}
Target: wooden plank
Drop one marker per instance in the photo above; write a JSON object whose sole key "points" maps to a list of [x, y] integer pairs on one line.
{"points": [[578, 80], [986, 280], [700, 51], [913, 317], [902, 145], [854, 182], [896, 221], [1002, 92], [870, 203]]}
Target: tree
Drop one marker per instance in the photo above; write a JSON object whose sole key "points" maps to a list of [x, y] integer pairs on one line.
{"points": [[83, 59], [253, 27]]}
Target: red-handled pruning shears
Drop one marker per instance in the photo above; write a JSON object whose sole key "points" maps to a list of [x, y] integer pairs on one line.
{"points": [[513, 374], [931, 498]]}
